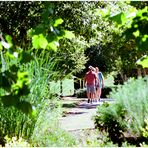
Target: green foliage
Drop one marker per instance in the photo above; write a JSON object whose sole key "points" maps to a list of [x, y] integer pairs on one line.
{"points": [[18, 17], [81, 93], [127, 114], [133, 100], [47, 34], [136, 23], [16, 142], [145, 129], [47, 131], [14, 123], [24, 81], [105, 49], [111, 120], [92, 138], [70, 56], [143, 61], [14, 83]]}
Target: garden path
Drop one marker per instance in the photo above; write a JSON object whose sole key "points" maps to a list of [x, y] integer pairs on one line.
{"points": [[79, 114]]}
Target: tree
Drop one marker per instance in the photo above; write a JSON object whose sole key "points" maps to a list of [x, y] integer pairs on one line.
{"points": [[17, 17], [136, 24]]}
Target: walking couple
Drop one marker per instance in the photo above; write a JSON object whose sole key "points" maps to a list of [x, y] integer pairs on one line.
{"points": [[94, 82]]}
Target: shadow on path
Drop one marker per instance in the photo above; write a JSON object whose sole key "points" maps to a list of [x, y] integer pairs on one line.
{"points": [[69, 105], [79, 113], [87, 106]]}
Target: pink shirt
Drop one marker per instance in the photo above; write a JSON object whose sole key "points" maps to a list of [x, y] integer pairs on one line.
{"points": [[90, 78]]}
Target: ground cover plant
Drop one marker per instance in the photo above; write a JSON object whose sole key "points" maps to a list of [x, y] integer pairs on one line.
{"points": [[125, 118]]}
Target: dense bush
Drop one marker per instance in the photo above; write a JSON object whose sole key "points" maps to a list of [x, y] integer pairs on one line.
{"points": [[106, 91], [111, 120], [125, 117], [81, 93]]}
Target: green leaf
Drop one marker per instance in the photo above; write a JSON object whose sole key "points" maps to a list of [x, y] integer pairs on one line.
{"points": [[25, 107], [142, 43], [40, 29], [8, 38], [24, 90], [1, 47], [10, 100], [69, 34], [119, 18], [143, 61], [25, 57], [30, 32], [53, 45], [58, 22], [103, 12], [35, 42], [39, 41], [14, 68], [6, 80]]}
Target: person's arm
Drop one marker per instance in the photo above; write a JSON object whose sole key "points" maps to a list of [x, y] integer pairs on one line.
{"points": [[97, 79]]}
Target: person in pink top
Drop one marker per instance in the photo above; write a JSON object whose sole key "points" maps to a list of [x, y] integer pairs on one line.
{"points": [[90, 80]]}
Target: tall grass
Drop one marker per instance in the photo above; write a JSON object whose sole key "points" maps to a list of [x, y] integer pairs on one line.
{"points": [[14, 123]]}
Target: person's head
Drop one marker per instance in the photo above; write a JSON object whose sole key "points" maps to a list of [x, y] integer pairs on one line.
{"points": [[91, 68], [97, 69]]}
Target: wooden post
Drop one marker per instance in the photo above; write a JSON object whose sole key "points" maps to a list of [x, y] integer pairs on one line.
{"points": [[61, 88], [139, 72], [80, 84]]}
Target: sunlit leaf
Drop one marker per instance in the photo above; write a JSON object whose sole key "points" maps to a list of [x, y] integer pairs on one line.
{"points": [[8, 38], [58, 22], [34, 112], [35, 42], [136, 33], [119, 18], [143, 61], [132, 13], [39, 41], [1, 47], [105, 12], [53, 45], [30, 32], [69, 34]]}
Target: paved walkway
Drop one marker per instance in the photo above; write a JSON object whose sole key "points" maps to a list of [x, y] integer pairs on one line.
{"points": [[80, 117]]}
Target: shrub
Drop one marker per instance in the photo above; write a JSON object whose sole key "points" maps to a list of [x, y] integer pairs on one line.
{"points": [[81, 93], [126, 115], [47, 131], [106, 91], [111, 120]]}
